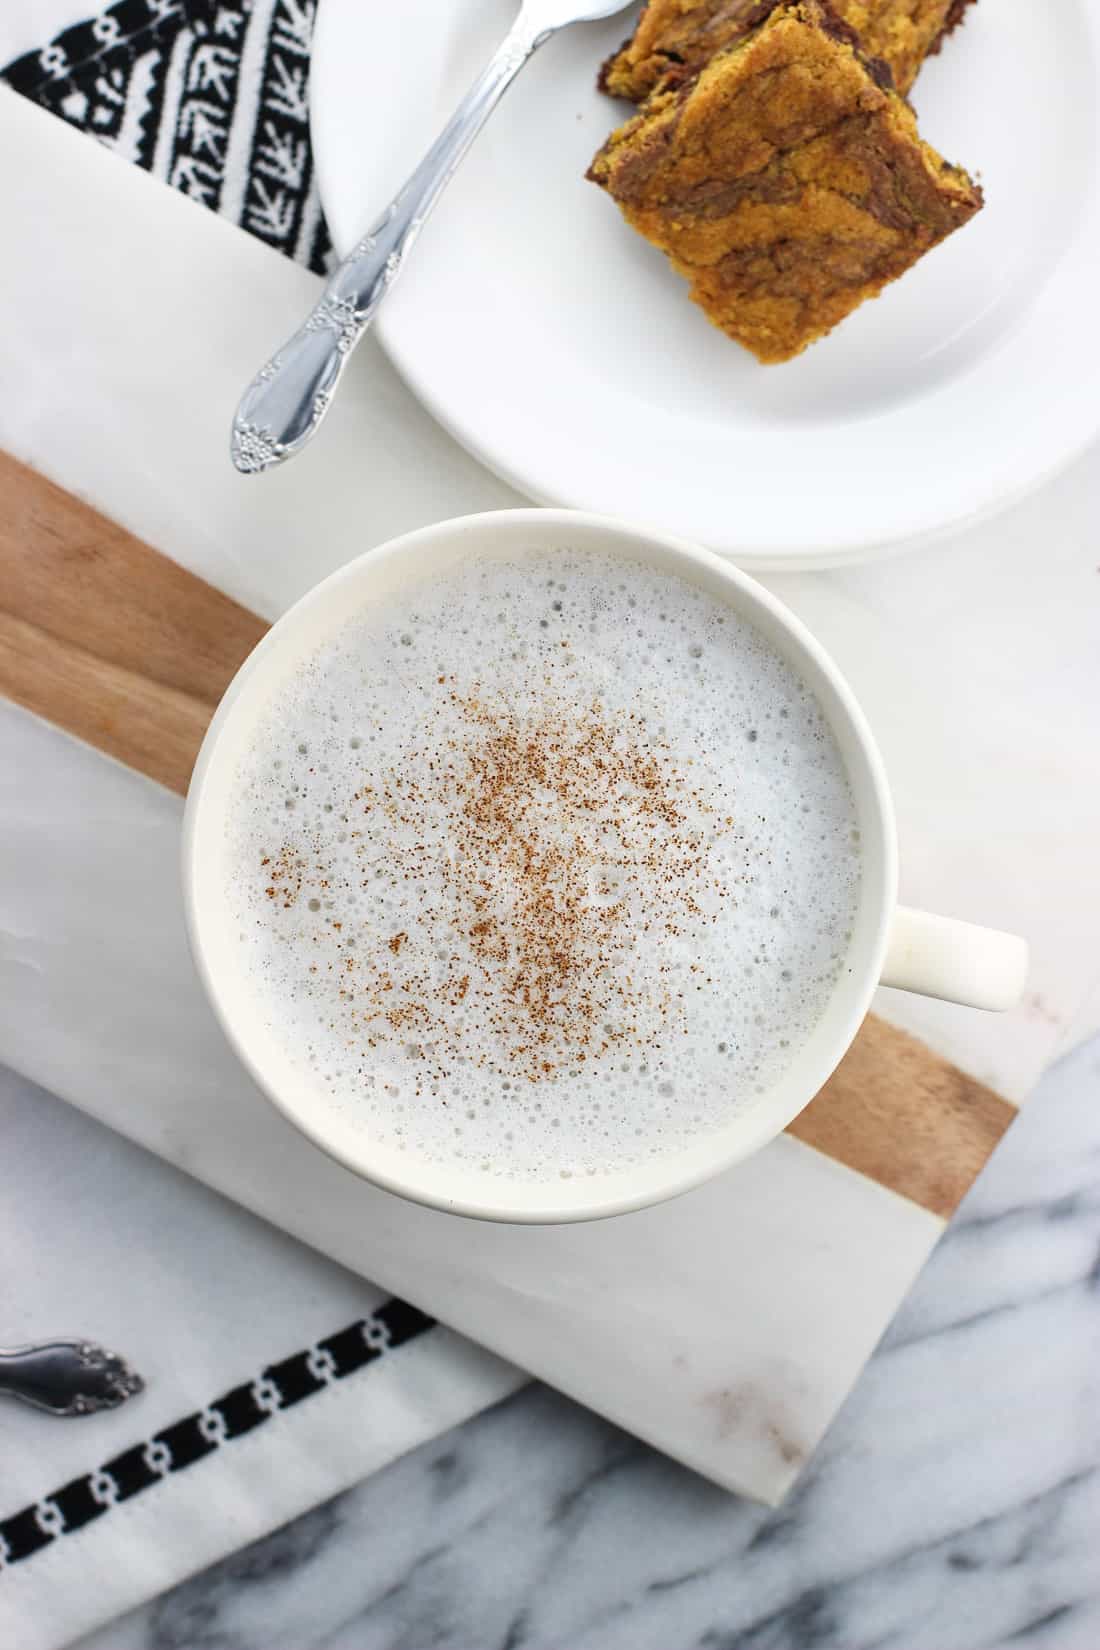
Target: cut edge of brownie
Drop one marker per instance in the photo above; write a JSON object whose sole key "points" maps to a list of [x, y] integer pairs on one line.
{"points": [[839, 29], [607, 66], [950, 24]]}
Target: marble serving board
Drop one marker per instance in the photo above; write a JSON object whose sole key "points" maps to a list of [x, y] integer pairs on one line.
{"points": [[727, 1326]]}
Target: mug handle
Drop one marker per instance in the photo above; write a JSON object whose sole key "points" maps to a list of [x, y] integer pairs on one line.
{"points": [[955, 961]]}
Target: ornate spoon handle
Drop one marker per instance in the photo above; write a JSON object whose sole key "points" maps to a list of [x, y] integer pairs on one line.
{"points": [[286, 401], [68, 1377]]}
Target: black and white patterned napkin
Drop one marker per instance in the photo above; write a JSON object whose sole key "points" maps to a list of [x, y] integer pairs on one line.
{"points": [[274, 1378], [209, 95]]}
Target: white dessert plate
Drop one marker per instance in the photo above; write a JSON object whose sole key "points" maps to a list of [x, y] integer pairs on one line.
{"points": [[564, 353]]}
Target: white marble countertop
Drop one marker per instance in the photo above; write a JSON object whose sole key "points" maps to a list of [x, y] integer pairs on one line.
{"points": [[955, 1503]]}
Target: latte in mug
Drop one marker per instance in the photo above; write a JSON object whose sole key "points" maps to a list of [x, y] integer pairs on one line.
{"points": [[544, 867]]}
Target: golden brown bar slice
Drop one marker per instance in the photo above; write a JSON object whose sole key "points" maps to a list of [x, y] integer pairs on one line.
{"points": [[675, 38], [787, 181]]}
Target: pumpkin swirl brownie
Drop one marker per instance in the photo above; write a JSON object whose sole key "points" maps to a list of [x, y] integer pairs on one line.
{"points": [[675, 38], [786, 180]]}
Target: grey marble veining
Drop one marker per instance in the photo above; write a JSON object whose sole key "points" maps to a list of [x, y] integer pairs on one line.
{"points": [[954, 1505]]}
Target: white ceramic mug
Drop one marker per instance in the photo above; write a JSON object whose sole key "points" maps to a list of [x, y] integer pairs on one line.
{"points": [[890, 944]]}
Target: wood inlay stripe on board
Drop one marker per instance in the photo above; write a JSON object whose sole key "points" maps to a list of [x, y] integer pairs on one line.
{"points": [[906, 1117], [105, 636], [110, 640]]}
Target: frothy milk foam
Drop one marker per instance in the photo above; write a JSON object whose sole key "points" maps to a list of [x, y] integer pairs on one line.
{"points": [[543, 867]]}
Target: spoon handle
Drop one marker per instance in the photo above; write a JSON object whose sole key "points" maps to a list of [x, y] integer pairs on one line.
{"points": [[68, 1377], [286, 401]]}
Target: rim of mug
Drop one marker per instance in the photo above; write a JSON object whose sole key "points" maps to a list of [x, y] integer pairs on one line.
{"points": [[765, 1123]]}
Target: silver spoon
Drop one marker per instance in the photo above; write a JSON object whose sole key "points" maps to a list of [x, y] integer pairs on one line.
{"points": [[286, 401], [68, 1377]]}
